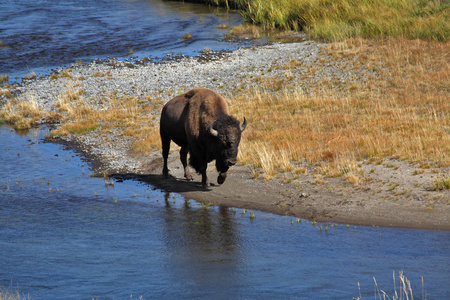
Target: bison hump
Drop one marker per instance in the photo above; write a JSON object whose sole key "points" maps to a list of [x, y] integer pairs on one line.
{"points": [[190, 94]]}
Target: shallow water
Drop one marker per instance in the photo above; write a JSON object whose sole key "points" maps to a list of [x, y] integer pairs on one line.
{"points": [[39, 35], [65, 234]]}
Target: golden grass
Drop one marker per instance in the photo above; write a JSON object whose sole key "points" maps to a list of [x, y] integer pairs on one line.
{"points": [[402, 291], [32, 75], [78, 127], [129, 116], [402, 111], [8, 295], [23, 114], [4, 78]]}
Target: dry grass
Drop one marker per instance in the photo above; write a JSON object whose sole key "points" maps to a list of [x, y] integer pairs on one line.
{"points": [[127, 116], [402, 111], [4, 78], [31, 76], [403, 291], [8, 295], [23, 114]]}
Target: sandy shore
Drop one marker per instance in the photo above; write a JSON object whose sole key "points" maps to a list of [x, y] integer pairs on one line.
{"points": [[393, 197]]}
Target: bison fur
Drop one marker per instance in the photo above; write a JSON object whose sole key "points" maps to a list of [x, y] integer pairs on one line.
{"points": [[198, 121]]}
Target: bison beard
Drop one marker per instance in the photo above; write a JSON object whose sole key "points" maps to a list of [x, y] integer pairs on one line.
{"points": [[198, 121]]}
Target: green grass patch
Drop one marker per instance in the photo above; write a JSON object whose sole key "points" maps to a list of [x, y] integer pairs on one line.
{"points": [[442, 183], [341, 19]]}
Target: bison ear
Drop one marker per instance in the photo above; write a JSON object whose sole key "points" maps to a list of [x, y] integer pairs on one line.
{"points": [[244, 124], [213, 131]]}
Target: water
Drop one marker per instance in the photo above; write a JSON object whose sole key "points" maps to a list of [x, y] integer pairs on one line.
{"points": [[65, 234], [39, 35]]}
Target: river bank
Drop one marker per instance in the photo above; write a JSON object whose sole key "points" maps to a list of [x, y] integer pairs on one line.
{"points": [[125, 145]]}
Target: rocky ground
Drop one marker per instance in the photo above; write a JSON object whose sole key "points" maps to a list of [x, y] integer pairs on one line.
{"points": [[394, 195]]}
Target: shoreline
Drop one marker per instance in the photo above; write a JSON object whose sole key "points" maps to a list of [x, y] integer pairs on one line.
{"points": [[316, 203], [371, 203]]}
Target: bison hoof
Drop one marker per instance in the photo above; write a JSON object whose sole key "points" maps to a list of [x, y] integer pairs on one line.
{"points": [[221, 178]]}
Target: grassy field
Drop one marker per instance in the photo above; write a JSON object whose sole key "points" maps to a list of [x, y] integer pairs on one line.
{"points": [[336, 20], [401, 110]]}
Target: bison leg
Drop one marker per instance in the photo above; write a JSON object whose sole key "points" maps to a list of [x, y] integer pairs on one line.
{"points": [[183, 157], [165, 153], [205, 181]]}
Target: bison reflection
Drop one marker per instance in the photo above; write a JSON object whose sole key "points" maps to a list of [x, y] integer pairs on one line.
{"points": [[198, 122]]}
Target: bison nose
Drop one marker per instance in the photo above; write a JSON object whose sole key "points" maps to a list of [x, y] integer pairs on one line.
{"points": [[231, 162]]}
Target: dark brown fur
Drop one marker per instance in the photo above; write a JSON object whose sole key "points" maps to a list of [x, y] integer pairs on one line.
{"points": [[198, 122]]}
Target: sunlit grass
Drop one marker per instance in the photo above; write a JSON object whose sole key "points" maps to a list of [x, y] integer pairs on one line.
{"points": [[22, 114], [130, 116], [402, 111], [6, 294], [402, 289], [342, 19]]}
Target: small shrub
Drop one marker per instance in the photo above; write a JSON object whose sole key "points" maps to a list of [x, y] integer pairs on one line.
{"points": [[4, 78], [31, 76], [187, 36], [442, 183]]}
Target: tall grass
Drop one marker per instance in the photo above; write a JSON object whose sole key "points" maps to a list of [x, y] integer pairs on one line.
{"points": [[402, 292], [401, 111], [341, 19], [23, 114], [6, 294]]}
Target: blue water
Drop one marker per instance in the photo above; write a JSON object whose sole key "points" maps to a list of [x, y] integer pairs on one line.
{"points": [[40, 35], [66, 235]]}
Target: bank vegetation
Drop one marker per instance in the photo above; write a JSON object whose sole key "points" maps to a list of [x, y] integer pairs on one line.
{"points": [[337, 20]]}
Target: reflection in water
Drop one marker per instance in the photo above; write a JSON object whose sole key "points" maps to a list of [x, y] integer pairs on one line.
{"points": [[204, 248], [63, 234]]}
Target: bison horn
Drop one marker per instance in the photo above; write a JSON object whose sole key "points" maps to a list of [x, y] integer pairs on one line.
{"points": [[244, 124], [213, 131]]}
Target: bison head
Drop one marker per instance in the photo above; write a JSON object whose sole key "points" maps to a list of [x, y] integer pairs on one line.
{"points": [[227, 134]]}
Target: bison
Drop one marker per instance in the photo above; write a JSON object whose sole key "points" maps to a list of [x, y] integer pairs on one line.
{"points": [[198, 122]]}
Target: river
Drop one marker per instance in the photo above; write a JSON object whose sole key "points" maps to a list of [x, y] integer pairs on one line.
{"points": [[41, 35], [66, 234]]}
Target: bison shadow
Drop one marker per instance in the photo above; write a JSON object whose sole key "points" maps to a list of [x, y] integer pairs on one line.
{"points": [[170, 184]]}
